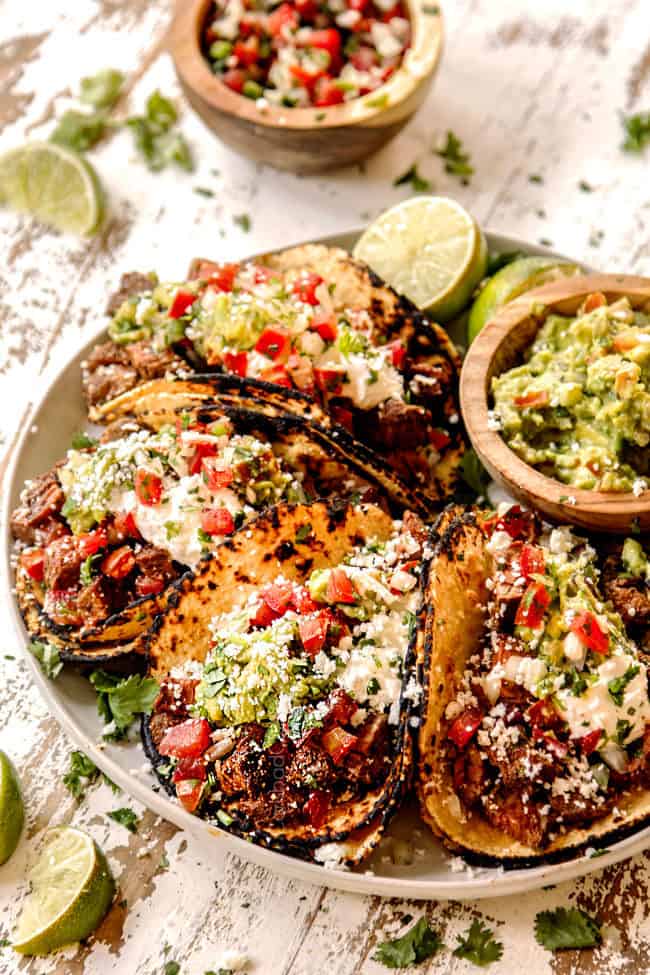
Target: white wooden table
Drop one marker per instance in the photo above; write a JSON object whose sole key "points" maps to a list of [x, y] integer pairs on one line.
{"points": [[533, 89]]}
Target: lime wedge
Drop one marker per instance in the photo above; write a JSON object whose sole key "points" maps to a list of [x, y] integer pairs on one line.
{"points": [[510, 282], [12, 813], [430, 250], [53, 184], [71, 891]]}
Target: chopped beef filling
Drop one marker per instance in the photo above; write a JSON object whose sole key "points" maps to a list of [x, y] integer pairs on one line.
{"points": [[38, 509], [630, 595], [112, 369]]}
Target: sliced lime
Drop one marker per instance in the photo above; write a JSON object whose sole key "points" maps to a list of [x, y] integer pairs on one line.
{"points": [[71, 891], [12, 812], [53, 184], [510, 282], [429, 249]]}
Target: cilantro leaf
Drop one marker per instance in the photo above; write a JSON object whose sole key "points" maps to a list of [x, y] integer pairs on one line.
{"points": [[457, 160], [419, 943], [418, 183], [161, 113], [103, 89], [616, 686], [637, 132], [81, 774], [566, 928], [125, 817], [300, 722], [171, 968], [119, 700], [79, 130], [48, 657], [81, 440], [243, 221], [478, 945], [271, 734], [303, 532], [154, 137], [473, 472]]}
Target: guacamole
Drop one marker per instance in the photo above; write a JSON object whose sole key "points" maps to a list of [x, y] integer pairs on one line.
{"points": [[578, 409]]}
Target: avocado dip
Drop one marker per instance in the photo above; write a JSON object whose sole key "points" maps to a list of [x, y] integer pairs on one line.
{"points": [[578, 408]]}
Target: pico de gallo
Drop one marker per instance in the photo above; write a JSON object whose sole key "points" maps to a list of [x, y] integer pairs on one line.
{"points": [[303, 52], [552, 721], [120, 520], [294, 709]]}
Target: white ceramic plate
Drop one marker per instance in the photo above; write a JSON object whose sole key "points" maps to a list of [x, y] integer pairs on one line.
{"points": [[432, 873]]}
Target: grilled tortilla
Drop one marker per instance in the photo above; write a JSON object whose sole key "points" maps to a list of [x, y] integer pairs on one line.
{"points": [[283, 706], [309, 320], [534, 740], [92, 592]]}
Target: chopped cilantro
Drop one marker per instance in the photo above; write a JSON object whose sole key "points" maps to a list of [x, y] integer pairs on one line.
{"points": [[79, 130], [616, 687], [155, 138], [81, 774], [103, 89], [5, 942], [300, 722], [86, 571], [125, 817], [457, 160], [585, 186], [173, 529], [478, 945], [243, 221], [81, 440], [303, 532], [373, 686], [637, 131], [271, 734], [48, 657], [171, 968], [566, 928], [418, 183], [623, 728], [203, 191], [419, 943], [204, 537], [119, 700], [535, 178]]}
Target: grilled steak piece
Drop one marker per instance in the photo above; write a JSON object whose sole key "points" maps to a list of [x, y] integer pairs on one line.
{"points": [[155, 563], [107, 381], [42, 499], [516, 814], [94, 602], [63, 561], [150, 363], [394, 424], [630, 596], [309, 762], [131, 284], [431, 381], [470, 775], [248, 769]]}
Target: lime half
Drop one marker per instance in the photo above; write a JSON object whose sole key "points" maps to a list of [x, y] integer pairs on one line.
{"points": [[12, 813], [53, 184], [510, 282], [429, 249], [71, 891]]}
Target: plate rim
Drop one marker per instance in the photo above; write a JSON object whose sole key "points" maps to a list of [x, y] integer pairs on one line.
{"points": [[473, 886]]}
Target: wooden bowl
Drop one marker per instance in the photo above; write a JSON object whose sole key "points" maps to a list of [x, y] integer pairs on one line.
{"points": [[306, 140], [498, 347]]}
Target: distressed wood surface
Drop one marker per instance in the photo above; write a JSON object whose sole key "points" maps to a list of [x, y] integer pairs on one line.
{"points": [[533, 89]]}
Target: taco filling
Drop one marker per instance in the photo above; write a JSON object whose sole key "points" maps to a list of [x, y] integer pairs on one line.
{"points": [[549, 726], [120, 520], [294, 710]]}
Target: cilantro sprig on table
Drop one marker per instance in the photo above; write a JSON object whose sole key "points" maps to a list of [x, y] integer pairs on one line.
{"points": [[416, 945], [637, 132], [478, 945], [120, 700], [566, 928], [48, 657], [82, 774], [457, 159], [125, 817]]}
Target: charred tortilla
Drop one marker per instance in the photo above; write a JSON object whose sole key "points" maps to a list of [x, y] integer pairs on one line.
{"points": [[474, 790], [289, 543]]}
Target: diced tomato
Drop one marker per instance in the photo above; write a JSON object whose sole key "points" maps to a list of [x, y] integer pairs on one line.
{"points": [[531, 561], [589, 631], [234, 79], [236, 362], [398, 354], [306, 8], [276, 374], [282, 21], [327, 92], [217, 521], [148, 487], [189, 792], [217, 479], [340, 588], [89, 543], [202, 450], [338, 742], [439, 438], [341, 707], [182, 301], [362, 26], [365, 58], [273, 342], [328, 40], [302, 600], [533, 605], [532, 400], [118, 564], [149, 585], [317, 807], [327, 329], [305, 78], [190, 768], [313, 630], [204, 269], [343, 416], [593, 301], [557, 748], [278, 596], [247, 52], [329, 380], [542, 714], [263, 615], [464, 727], [124, 524], [304, 287], [186, 740], [222, 276], [262, 275], [33, 562], [589, 743], [516, 522]]}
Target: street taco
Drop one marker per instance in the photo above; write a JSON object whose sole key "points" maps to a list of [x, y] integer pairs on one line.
{"points": [[309, 320], [286, 672], [535, 736]]}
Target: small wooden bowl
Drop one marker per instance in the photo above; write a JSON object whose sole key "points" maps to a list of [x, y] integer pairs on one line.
{"points": [[306, 140], [501, 345]]}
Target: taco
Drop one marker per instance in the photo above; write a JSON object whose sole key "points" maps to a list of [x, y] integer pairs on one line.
{"points": [[311, 320], [535, 741], [104, 534], [286, 667]]}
